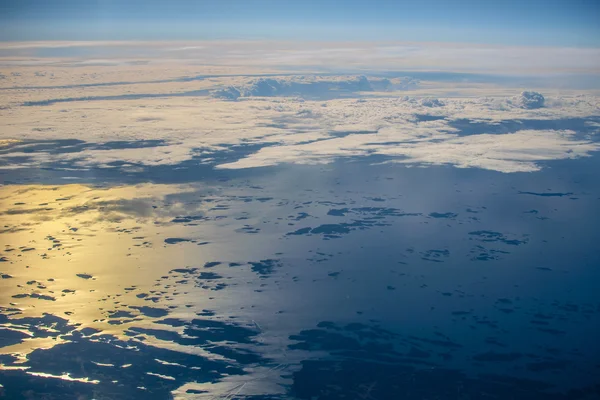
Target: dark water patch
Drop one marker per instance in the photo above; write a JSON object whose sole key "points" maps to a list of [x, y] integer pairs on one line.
{"points": [[153, 312], [248, 229], [265, 267], [9, 337], [120, 314], [5, 312], [491, 236], [47, 326], [22, 211], [298, 217], [199, 332], [209, 276], [189, 219], [196, 391], [371, 217], [183, 270], [208, 281], [372, 212], [481, 253], [332, 230], [212, 264], [301, 231], [340, 212], [177, 240], [7, 359], [34, 296], [123, 321], [448, 215], [547, 194], [435, 255]]}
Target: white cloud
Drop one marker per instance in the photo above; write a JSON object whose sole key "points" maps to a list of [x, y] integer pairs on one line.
{"points": [[432, 102], [419, 129], [309, 86], [515, 152], [530, 100], [388, 127]]}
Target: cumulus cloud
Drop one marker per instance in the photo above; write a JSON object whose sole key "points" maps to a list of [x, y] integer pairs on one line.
{"points": [[530, 100], [304, 86], [432, 102], [228, 93]]}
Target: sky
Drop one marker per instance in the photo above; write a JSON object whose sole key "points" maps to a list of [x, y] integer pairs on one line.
{"points": [[507, 22]]}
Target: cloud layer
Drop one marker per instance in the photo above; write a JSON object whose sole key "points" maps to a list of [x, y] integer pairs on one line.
{"points": [[506, 134]]}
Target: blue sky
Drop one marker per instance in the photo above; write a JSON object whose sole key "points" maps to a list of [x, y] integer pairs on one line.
{"points": [[526, 22]]}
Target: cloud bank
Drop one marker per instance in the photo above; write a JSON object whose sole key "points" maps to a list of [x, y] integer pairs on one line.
{"points": [[506, 134], [304, 86]]}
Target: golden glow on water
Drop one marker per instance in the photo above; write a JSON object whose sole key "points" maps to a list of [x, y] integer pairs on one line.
{"points": [[21, 349], [81, 253], [99, 261]]}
